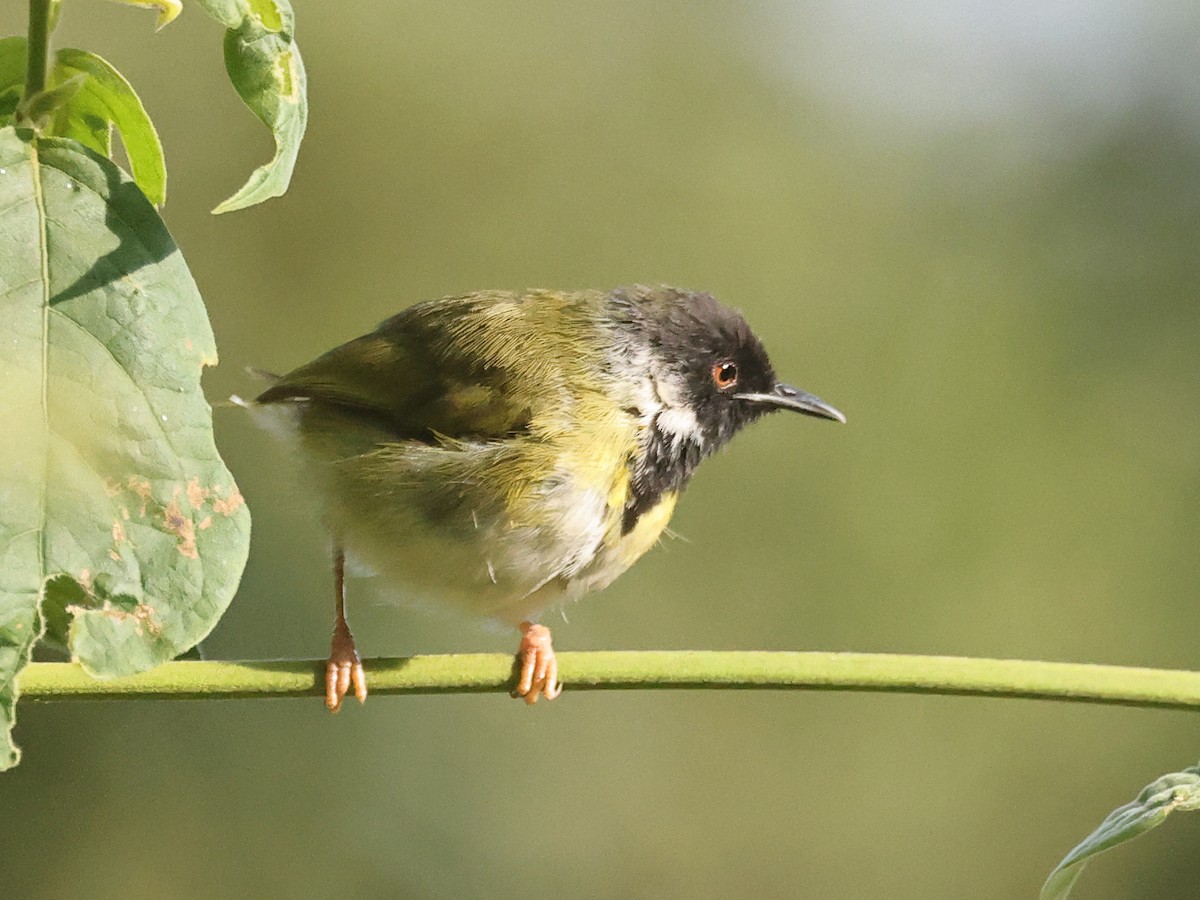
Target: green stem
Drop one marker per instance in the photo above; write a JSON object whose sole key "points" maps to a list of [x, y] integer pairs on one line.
{"points": [[37, 68], [720, 670]]}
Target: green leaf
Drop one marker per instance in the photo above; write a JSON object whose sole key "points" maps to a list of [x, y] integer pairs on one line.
{"points": [[116, 513], [264, 64], [43, 103], [107, 99], [167, 10], [1177, 790]]}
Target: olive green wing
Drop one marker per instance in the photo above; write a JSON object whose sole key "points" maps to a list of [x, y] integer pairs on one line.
{"points": [[461, 368]]}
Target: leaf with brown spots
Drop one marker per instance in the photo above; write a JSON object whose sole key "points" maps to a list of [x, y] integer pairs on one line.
{"points": [[122, 533]]}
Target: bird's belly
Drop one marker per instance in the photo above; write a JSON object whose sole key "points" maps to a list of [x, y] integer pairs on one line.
{"points": [[470, 576], [438, 526], [494, 568], [486, 561]]}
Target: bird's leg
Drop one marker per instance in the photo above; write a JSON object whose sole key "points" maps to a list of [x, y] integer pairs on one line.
{"points": [[539, 668], [344, 667]]}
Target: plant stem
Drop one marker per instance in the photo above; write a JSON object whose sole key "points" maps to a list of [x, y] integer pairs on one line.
{"points": [[37, 67], [702, 670]]}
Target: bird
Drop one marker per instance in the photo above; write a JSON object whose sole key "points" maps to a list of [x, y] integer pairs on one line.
{"points": [[503, 453]]}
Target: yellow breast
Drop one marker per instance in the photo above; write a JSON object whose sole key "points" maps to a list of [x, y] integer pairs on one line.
{"points": [[620, 551], [645, 533]]}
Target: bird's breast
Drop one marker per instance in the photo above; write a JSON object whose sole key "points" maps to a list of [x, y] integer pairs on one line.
{"points": [[624, 548]]}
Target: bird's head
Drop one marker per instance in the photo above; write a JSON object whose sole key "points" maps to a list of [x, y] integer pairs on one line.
{"points": [[707, 373]]}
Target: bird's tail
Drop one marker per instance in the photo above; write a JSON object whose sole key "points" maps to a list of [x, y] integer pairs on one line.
{"points": [[240, 401], [263, 374]]}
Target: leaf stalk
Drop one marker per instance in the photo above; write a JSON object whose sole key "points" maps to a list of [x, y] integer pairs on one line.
{"points": [[41, 13]]}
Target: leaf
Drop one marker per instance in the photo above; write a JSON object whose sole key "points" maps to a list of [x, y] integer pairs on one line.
{"points": [[1176, 790], [43, 103], [107, 99], [168, 10], [104, 100], [264, 64], [117, 516]]}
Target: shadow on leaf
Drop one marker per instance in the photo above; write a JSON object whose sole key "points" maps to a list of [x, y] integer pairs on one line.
{"points": [[142, 238]]}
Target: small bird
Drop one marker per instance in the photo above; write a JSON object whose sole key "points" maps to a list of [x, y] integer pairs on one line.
{"points": [[502, 453]]}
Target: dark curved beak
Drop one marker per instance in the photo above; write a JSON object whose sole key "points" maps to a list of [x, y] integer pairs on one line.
{"points": [[784, 396]]}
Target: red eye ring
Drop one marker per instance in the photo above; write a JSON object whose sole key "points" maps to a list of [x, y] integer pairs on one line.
{"points": [[725, 374]]}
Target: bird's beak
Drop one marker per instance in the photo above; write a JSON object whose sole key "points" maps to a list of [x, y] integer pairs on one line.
{"points": [[784, 396]]}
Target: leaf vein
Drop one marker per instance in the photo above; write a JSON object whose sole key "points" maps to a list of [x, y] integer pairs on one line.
{"points": [[111, 211], [13, 205], [44, 259], [150, 405]]}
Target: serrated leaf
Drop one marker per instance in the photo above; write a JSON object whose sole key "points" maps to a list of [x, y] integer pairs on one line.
{"points": [[105, 100], [1176, 790], [116, 513], [264, 64]]}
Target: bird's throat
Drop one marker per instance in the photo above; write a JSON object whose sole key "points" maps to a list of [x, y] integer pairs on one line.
{"points": [[663, 465]]}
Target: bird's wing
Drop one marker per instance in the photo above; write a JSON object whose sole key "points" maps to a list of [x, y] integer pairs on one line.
{"points": [[466, 368]]}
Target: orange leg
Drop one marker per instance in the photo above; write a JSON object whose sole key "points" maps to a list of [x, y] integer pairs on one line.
{"points": [[344, 667], [539, 667]]}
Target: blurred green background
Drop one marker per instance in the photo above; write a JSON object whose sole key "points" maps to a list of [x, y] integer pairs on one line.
{"points": [[973, 227]]}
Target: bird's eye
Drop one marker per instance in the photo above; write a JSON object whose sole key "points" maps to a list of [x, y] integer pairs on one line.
{"points": [[724, 375]]}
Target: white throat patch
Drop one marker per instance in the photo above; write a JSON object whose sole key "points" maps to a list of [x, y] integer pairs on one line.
{"points": [[673, 416], [660, 398], [680, 425]]}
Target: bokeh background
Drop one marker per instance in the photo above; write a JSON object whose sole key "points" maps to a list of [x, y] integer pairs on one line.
{"points": [[974, 227]]}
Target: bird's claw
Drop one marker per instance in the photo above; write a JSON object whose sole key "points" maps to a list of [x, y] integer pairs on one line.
{"points": [[343, 670], [538, 676]]}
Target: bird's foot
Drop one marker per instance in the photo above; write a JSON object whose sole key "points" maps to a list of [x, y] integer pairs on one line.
{"points": [[343, 669], [539, 667]]}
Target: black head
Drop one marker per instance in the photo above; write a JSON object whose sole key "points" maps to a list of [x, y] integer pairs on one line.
{"points": [[710, 376], [708, 361]]}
